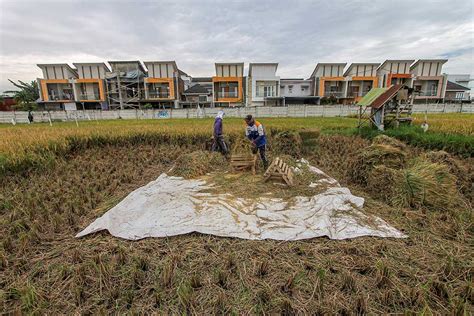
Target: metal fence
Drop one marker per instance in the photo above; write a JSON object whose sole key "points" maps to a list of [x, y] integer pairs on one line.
{"points": [[287, 111]]}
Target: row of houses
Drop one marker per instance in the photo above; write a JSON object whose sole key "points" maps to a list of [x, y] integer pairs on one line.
{"points": [[133, 84]]}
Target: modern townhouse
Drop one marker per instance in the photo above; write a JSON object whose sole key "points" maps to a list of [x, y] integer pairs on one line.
{"points": [[131, 84], [360, 77], [57, 86], [163, 85], [393, 71], [89, 87], [263, 85], [125, 84], [428, 82], [227, 84], [328, 81]]}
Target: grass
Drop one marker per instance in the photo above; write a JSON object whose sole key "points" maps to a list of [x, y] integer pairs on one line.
{"points": [[458, 144], [44, 269]]}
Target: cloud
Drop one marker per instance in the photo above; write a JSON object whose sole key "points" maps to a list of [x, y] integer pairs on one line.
{"points": [[198, 33]]}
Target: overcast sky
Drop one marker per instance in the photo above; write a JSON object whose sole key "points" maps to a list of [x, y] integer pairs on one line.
{"points": [[198, 33]]}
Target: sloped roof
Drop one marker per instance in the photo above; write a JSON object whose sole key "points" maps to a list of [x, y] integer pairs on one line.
{"points": [[442, 61], [95, 64], [370, 97], [73, 70], [346, 73], [455, 87], [197, 89], [411, 61], [327, 64], [377, 97], [386, 96]]}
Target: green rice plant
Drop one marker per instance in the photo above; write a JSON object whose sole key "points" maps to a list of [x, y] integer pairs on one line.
{"points": [[185, 295]]}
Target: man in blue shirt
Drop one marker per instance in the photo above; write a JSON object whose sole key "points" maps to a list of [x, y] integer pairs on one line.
{"points": [[256, 134]]}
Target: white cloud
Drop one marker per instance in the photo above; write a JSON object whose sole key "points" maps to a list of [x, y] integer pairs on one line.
{"points": [[198, 33]]}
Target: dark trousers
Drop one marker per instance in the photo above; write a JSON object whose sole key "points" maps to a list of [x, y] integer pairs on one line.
{"points": [[220, 145], [261, 151]]}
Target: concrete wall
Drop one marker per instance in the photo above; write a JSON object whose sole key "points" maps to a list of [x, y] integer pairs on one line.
{"points": [[287, 111]]}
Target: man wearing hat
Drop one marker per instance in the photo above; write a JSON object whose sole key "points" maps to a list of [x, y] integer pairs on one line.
{"points": [[256, 134]]}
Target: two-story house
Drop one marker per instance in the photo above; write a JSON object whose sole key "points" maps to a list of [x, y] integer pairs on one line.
{"points": [[360, 77], [263, 85], [392, 72], [328, 80], [428, 82], [90, 84], [227, 84], [163, 84], [125, 84], [57, 85]]}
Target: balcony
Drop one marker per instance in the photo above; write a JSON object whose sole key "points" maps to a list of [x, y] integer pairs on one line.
{"points": [[335, 94], [156, 94], [60, 92], [432, 93], [89, 96], [227, 94]]}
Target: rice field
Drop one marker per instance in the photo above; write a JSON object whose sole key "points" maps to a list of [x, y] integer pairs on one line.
{"points": [[45, 270]]}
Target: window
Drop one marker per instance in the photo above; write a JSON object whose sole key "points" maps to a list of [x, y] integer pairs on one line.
{"points": [[290, 89], [202, 98], [265, 89]]}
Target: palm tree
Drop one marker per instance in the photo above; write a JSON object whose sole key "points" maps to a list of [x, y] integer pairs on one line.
{"points": [[26, 96]]}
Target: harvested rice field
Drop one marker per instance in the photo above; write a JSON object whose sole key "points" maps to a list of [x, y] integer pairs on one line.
{"points": [[55, 181]]}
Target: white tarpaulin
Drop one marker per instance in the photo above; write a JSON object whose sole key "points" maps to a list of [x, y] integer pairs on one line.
{"points": [[172, 206]]}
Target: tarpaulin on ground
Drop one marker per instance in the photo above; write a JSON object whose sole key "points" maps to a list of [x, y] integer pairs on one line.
{"points": [[170, 206]]}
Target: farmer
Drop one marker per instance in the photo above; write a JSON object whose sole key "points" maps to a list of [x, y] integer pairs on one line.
{"points": [[219, 143], [256, 134], [30, 117]]}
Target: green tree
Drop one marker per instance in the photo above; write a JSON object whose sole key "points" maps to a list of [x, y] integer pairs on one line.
{"points": [[26, 96]]}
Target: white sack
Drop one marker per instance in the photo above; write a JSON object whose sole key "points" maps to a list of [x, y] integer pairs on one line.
{"points": [[172, 206]]}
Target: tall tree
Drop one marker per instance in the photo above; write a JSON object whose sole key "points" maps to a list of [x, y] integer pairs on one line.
{"points": [[26, 96]]}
